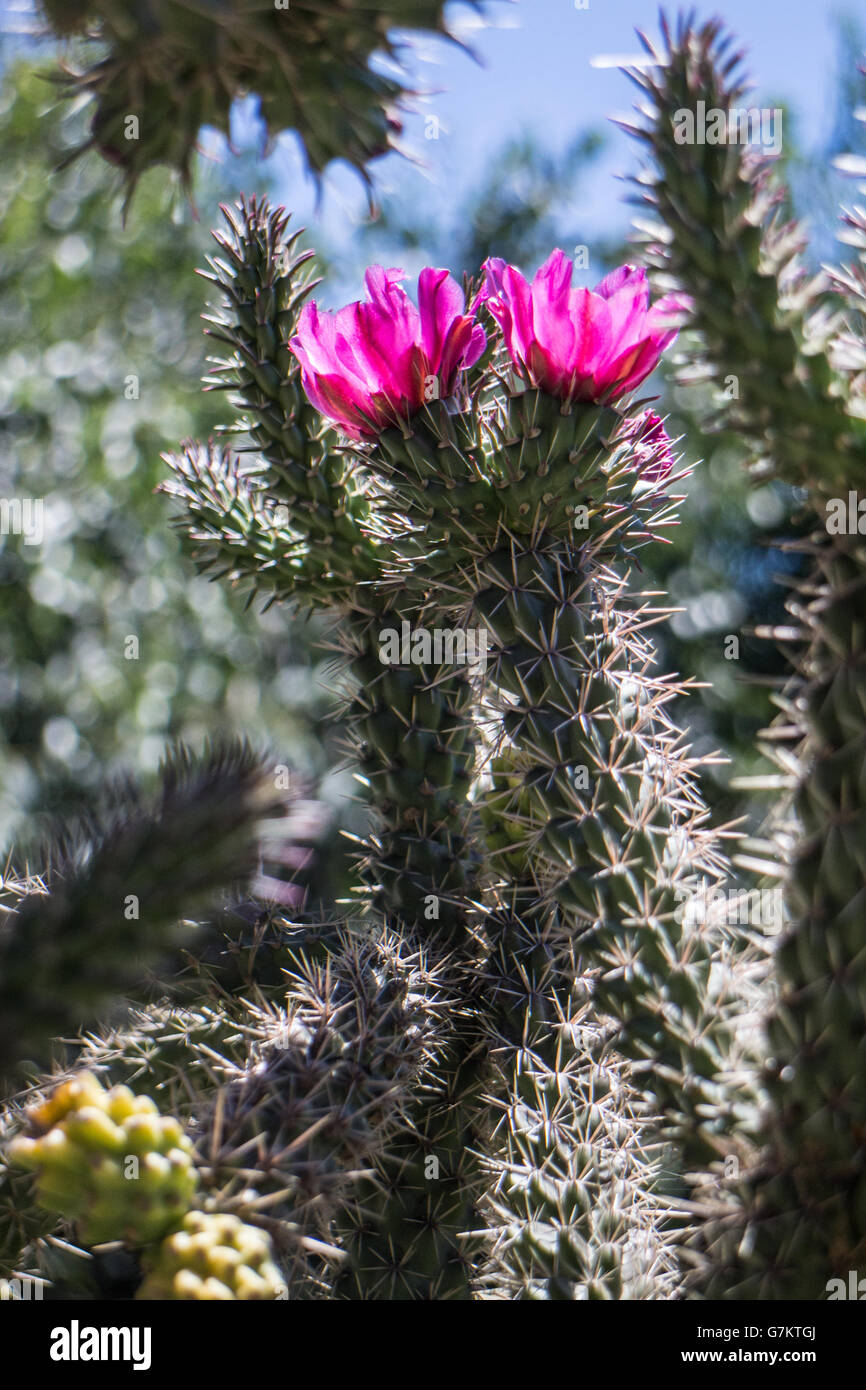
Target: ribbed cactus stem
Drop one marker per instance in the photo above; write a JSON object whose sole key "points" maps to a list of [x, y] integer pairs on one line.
{"points": [[606, 802], [763, 321], [412, 732], [758, 309], [405, 1230], [570, 1203], [310, 486], [327, 1082], [584, 800]]}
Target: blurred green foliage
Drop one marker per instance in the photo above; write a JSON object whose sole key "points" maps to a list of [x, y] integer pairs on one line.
{"points": [[111, 644]]}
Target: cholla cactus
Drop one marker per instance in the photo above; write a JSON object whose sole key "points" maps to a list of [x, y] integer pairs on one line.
{"points": [[798, 1215], [165, 68], [536, 815], [512, 1069]]}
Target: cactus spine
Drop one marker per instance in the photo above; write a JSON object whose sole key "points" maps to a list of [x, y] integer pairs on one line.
{"points": [[763, 319]]}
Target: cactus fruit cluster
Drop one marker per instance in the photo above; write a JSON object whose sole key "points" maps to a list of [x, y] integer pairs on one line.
{"points": [[159, 70], [214, 1257], [108, 1161], [111, 1164], [530, 1062]]}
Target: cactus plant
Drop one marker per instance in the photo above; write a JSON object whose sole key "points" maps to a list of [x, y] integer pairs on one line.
{"points": [[416, 396], [531, 1063], [164, 68], [763, 321]]}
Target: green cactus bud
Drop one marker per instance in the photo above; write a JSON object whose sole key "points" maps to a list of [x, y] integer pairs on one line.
{"points": [[213, 1258], [108, 1161]]}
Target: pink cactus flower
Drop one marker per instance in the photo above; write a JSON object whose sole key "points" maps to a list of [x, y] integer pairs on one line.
{"points": [[651, 446], [581, 345], [376, 362]]}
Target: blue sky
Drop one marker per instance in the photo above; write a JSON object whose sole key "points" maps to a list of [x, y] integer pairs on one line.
{"points": [[539, 72]]}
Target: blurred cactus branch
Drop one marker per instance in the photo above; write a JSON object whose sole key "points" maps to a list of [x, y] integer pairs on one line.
{"points": [[119, 883], [161, 70], [236, 529]]}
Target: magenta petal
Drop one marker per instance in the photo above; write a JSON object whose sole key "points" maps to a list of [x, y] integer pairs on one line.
{"points": [[440, 303], [313, 337], [477, 345], [368, 365], [580, 344], [628, 312], [518, 296], [625, 277], [329, 395], [668, 315], [453, 350], [385, 345], [632, 367], [552, 320], [379, 283], [545, 372], [592, 331], [504, 317], [493, 269], [552, 282]]}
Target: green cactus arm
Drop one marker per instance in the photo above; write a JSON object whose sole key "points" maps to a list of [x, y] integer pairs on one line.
{"points": [[409, 721], [590, 805], [239, 532], [412, 737], [319, 491], [407, 1231], [119, 885], [573, 1175], [801, 1210], [327, 1089], [569, 1201], [719, 232], [334, 552], [411, 734], [568, 663]]}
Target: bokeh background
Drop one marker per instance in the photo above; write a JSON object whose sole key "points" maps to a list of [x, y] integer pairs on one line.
{"points": [[508, 150]]}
